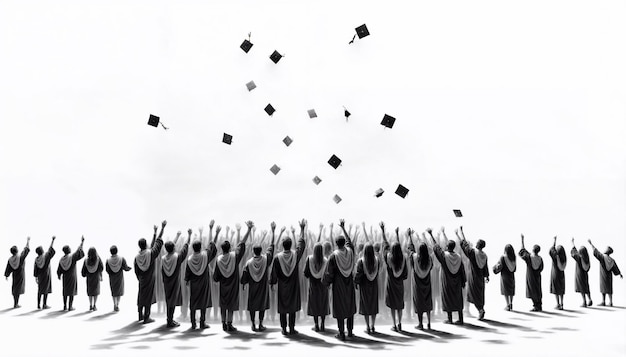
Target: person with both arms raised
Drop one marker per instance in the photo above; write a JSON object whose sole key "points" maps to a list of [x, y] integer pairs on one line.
{"points": [[170, 266]]}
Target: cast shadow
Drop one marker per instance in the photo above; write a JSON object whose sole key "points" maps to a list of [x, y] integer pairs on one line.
{"points": [[371, 344], [416, 336], [184, 348], [507, 325], [245, 336], [554, 313], [82, 314], [573, 311], [599, 308], [443, 335], [131, 327], [54, 314], [530, 314], [309, 340], [469, 326], [563, 329], [30, 313], [102, 317], [616, 307], [496, 342], [7, 310]]}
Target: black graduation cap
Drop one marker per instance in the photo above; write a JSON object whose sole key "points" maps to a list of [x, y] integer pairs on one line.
{"points": [[250, 85], [402, 191], [337, 199], [154, 121], [227, 139], [334, 161], [379, 192], [312, 113], [246, 45], [287, 140], [388, 121], [457, 212], [362, 31], [275, 169], [346, 113], [317, 180], [275, 56], [269, 110]]}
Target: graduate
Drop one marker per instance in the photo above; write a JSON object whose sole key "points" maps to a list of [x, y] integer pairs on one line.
{"points": [[43, 274], [397, 272], [227, 274], [15, 266], [478, 272], [285, 275], [452, 279], [255, 275], [170, 265], [421, 265], [115, 267], [67, 269], [366, 281], [318, 304], [581, 282], [197, 276], [608, 268], [339, 274], [557, 276], [534, 267], [506, 267], [92, 270], [144, 270]]}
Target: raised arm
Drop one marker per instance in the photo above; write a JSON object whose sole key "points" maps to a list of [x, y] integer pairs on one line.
{"points": [[342, 224], [178, 235], [319, 236], [409, 234], [218, 229], [523, 241], [367, 237], [154, 235], [462, 233], [238, 228], [398, 234], [52, 242], [250, 225], [27, 242], [554, 242], [211, 224]]}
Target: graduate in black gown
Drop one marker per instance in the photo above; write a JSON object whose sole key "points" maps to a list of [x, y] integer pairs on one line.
{"points": [[534, 267], [92, 270], [67, 270], [453, 279], [608, 268], [15, 267], [506, 267], [478, 274], [170, 266], [144, 270], [43, 274], [421, 263], [581, 278], [366, 281], [397, 273], [557, 275], [318, 304], [115, 267], [198, 277]]}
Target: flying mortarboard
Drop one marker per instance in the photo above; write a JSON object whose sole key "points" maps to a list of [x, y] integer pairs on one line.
{"points": [[362, 31], [402, 191], [334, 161], [388, 121], [457, 212], [275, 169], [337, 199], [154, 121], [269, 110], [379, 192], [250, 85], [312, 113], [317, 180], [287, 140], [346, 113], [275, 56], [227, 139], [246, 45]]}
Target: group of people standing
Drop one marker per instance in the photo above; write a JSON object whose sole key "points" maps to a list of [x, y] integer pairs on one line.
{"points": [[342, 274]]}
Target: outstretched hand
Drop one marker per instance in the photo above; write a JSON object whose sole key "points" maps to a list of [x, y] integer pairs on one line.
{"points": [[273, 226], [382, 225], [54, 237], [189, 231], [342, 223], [163, 224], [82, 239], [249, 224], [211, 224], [302, 224]]}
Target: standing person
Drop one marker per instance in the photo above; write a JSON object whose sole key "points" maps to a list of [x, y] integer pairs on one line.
{"points": [[421, 266], [506, 266], [478, 272], [318, 306], [397, 272], [15, 267], [92, 270], [227, 274], [581, 282], [115, 267], [339, 274], [285, 274], [255, 275], [43, 274], [452, 278], [534, 267], [366, 281], [608, 268], [144, 270], [67, 269], [170, 266], [197, 276], [557, 276]]}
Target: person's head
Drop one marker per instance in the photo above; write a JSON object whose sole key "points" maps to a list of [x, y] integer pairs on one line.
{"points": [[369, 256], [39, 250], [608, 251], [480, 244], [560, 251], [142, 244], [318, 254], [92, 256], [328, 248], [510, 253], [359, 247], [377, 247], [66, 249], [257, 249], [340, 241], [14, 250], [451, 246], [584, 254], [196, 246], [423, 255], [287, 243], [113, 250], [396, 254], [536, 249], [169, 246], [225, 247]]}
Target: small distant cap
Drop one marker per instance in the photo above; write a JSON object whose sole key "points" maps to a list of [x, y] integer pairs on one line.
{"points": [[227, 139], [317, 180], [250, 85], [287, 140], [388, 121], [153, 120], [269, 110], [379, 192], [312, 113], [275, 56], [246, 46], [334, 161], [337, 199], [346, 113], [402, 191], [362, 31], [275, 169], [457, 213]]}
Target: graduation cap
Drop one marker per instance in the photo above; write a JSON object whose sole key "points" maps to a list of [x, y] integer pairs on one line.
{"points": [[250, 85], [287, 140], [312, 113], [246, 45], [388, 121], [275, 169], [317, 180], [379, 192], [334, 161], [269, 110], [457, 212], [154, 121], [227, 139], [337, 199], [275, 56], [402, 191], [362, 31], [346, 113]]}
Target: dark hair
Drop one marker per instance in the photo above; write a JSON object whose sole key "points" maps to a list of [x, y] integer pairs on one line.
{"points": [[608, 251], [169, 246], [377, 247], [257, 249], [328, 248], [92, 256], [318, 255], [536, 249], [340, 241], [143, 244], [113, 250], [287, 243], [510, 253], [560, 251], [225, 246], [359, 247], [584, 255], [451, 245], [396, 255], [423, 257], [480, 244], [39, 250], [369, 257], [66, 249], [14, 250], [196, 245]]}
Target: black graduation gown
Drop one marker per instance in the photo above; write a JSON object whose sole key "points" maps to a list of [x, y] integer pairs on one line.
{"points": [[259, 292], [70, 283], [507, 277], [93, 279], [44, 274], [199, 285], [581, 278], [533, 277], [171, 284], [318, 304], [229, 287], [606, 275], [288, 297], [344, 294], [477, 275], [368, 290], [116, 279], [557, 276], [19, 274], [147, 279], [452, 284]]}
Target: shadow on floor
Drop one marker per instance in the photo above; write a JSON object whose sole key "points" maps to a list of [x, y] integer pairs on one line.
{"points": [[7, 310], [469, 326], [496, 342], [531, 314], [554, 313], [102, 317], [443, 335], [507, 325], [563, 329], [30, 312], [54, 314]]}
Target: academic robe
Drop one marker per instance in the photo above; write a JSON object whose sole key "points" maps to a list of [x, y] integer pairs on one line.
{"points": [[229, 286], [477, 275], [171, 282], [343, 292], [507, 276], [318, 304], [44, 274], [581, 278], [258, 291], [199, 285], [116, 278], [93, 279], [451, 283], [288, 297], [70, 283], [394, 286], [368, 289], [19, 274], [606, 271], [533, 276], [147, 277], [557, 275], [422, 288]]}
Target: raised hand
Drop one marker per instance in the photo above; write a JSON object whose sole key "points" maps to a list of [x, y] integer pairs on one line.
{"points": [[53, 238], [572, 240], [178, 234], [293, 231], [211, 224], [342, 223], [443, 229], [273, 226], [302, 224], [282, 229], [27, 239], [189, 231], [218, 229], [429, 230], [155, 228], [200, 230], [409, 232], [249, 224], [382, 225], [397, 230], [82, 239], [238, 227], [163, 224]]}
